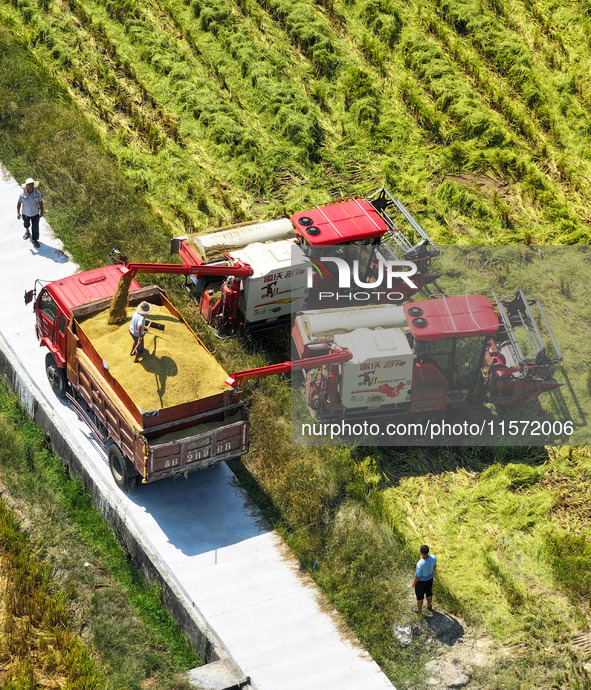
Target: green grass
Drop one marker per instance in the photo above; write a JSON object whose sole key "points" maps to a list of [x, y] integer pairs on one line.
{"points": [[510, 525], [218, 112], [155, 118], [84, 580], [35, 634]]}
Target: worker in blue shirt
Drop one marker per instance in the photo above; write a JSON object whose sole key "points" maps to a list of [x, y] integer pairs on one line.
{"points": [[423, 582]]}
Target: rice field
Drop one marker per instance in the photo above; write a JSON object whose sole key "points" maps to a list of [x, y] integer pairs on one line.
{"points": [[476, 113], [182, 115]]}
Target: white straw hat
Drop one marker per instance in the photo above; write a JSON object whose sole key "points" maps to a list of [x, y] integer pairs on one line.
{"points": [[144, 307], [30, 180]]}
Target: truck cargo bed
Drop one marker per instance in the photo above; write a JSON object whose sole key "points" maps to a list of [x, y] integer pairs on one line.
{"points": [[203, 448], [170, 413]]}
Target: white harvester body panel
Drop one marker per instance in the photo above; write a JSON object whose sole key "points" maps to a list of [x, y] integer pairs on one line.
{"points": [[278, 282], [380, 371], [325, 324]]}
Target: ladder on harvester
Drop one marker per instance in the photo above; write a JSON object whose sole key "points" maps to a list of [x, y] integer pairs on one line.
{"points": [[517, 310]]}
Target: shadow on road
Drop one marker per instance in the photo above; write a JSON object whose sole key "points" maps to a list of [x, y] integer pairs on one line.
{"points": [[52, 253], [201, 513]]}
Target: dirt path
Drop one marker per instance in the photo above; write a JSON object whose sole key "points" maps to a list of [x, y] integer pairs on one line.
{"points": [[457, 649]]}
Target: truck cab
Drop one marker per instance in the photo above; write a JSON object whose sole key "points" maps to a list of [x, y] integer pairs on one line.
{"points": [[53, 312]]}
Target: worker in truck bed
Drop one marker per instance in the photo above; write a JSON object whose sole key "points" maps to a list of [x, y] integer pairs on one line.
{"points": [[137, 328]]}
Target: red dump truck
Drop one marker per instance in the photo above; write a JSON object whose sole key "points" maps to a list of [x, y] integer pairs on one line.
{"points": [[165, 416]]}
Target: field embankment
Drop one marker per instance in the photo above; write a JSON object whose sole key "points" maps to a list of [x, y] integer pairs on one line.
{"points": [[145, 120], [74, 612]]}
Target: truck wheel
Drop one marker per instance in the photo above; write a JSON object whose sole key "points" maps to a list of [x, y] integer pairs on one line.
{"points": [[123, 472], [56, 376]]}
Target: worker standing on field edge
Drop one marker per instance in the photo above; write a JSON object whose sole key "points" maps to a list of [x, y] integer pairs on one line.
{"points": [[31, 202], [423, 582]]}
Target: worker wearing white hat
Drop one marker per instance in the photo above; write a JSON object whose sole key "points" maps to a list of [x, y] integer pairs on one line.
{"points": [[31, 203], [137, 328]]}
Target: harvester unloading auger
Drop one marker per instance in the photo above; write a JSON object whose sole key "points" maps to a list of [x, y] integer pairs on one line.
{"points": [[129, 270], [448, 352]]}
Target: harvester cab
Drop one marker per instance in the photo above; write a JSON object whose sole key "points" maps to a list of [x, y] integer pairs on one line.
{"points": [[279, 252]]}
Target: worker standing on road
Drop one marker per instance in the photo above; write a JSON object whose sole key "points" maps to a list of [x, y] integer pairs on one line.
{"points": [[423, 582], [31, 202], [137, 328]]}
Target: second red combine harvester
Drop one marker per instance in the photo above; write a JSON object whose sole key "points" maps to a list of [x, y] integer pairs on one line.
{"points": [[448, 352]]}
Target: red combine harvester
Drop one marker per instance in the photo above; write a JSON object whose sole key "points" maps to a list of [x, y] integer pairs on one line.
{"points": [[278, 253], [450, 351]]}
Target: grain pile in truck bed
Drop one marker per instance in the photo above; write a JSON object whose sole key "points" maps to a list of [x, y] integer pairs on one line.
{"points": [[175, 368], [199, 428]]}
